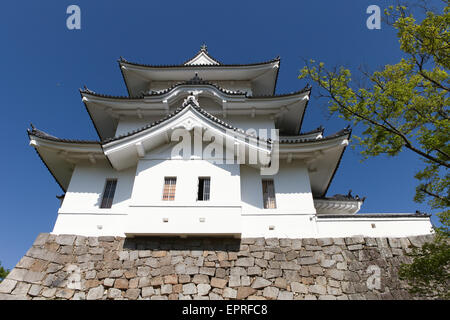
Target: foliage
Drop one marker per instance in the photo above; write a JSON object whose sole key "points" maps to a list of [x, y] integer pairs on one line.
{"points": [[405, 106], [3, 273], [428, 275]]}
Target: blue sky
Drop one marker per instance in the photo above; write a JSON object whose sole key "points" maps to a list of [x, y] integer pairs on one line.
{"points": [[44, 65]]}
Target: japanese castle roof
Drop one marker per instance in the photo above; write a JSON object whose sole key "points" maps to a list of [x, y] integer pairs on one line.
{"points": [[104, 110], [60, 155], [262, 75]]}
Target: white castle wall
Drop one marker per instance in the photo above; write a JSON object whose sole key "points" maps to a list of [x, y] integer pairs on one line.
{"points": [[235, 207], [395, 227], [87, 185]]}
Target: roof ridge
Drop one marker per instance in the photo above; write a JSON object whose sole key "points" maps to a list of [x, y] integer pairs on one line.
{"points": [[44, 135], [343, 197], [296, 139], [193, 81], [375, 215], [318, 129], [198, 65], [306, 88]]}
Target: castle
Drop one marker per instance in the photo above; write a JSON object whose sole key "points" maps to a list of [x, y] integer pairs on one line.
{"points": [[206, 149]]}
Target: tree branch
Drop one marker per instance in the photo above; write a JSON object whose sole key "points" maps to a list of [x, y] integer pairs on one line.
{"points": [[424, 190]]}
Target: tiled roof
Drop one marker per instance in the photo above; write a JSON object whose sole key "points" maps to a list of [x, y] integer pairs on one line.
{"points": [[307, 88], [343, 197], [378, 215], [318, 129], [299, 139], [194, 81], [43, 135], [188, 102], [277, 59], [284, 140]]}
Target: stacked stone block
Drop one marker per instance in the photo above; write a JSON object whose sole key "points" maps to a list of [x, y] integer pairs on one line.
{"points": [[100, 268]]}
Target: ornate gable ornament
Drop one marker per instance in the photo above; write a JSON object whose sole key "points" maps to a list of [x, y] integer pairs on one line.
{"points": [[202, 58]]}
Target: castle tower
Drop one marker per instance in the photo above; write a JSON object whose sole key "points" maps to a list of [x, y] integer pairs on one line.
{"points": [[206, 149]]}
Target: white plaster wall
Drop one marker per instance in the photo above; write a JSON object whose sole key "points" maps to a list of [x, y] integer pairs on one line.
{"points": [[138, 207], [91, 224], [199, 219], [247, 122], [292, 190], [284, 226], [293, 216], [80, 212], [86, 188], [148, 187], [150, 214], [287, 226], [384, 227]]}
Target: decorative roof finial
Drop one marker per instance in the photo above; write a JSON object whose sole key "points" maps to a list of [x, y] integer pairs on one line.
{"points": [[191, 98], [204, 48]]}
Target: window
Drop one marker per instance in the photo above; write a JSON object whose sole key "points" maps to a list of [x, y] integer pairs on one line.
{"points": [[203, 189], [169, 188], [108, 193], [269, 194]]}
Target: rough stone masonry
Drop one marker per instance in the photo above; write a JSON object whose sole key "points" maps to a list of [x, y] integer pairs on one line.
{"points": [[92, 268]]}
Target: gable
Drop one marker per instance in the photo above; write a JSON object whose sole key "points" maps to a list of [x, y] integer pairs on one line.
{"points": [[202, 58]]}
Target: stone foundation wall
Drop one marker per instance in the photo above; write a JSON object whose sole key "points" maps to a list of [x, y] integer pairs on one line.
{"points": [[77, 267]]}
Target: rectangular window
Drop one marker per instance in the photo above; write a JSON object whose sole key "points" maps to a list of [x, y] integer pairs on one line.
{"points": [[108, 193], [268, 194], [203, 189], [169, 188]]}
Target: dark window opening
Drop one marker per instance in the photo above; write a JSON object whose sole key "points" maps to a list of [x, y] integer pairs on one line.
{"points": [[203, 189], [269, 194], [108, 193]]}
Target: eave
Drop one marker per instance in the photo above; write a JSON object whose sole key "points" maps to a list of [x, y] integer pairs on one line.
{"points": [[310, 135], [376, 216], [263, 75], [124, 151], [321, 156], [330, 206], [287, 109], [61, 155]]}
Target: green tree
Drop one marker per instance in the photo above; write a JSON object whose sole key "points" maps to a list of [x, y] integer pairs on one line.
{"points": [[3, 272], [405, 106]]}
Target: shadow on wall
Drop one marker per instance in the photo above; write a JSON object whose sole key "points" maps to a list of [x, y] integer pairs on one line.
{"points": [[89, 185], [176, 243], [290, 182]]}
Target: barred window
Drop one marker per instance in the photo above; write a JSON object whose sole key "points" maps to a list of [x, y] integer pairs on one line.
{"points": [[203, 188], [268, 194], [108, 193], [169, 188]]}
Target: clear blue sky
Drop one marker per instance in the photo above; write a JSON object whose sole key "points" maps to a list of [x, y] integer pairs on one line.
{"points": [[44, 64]]}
